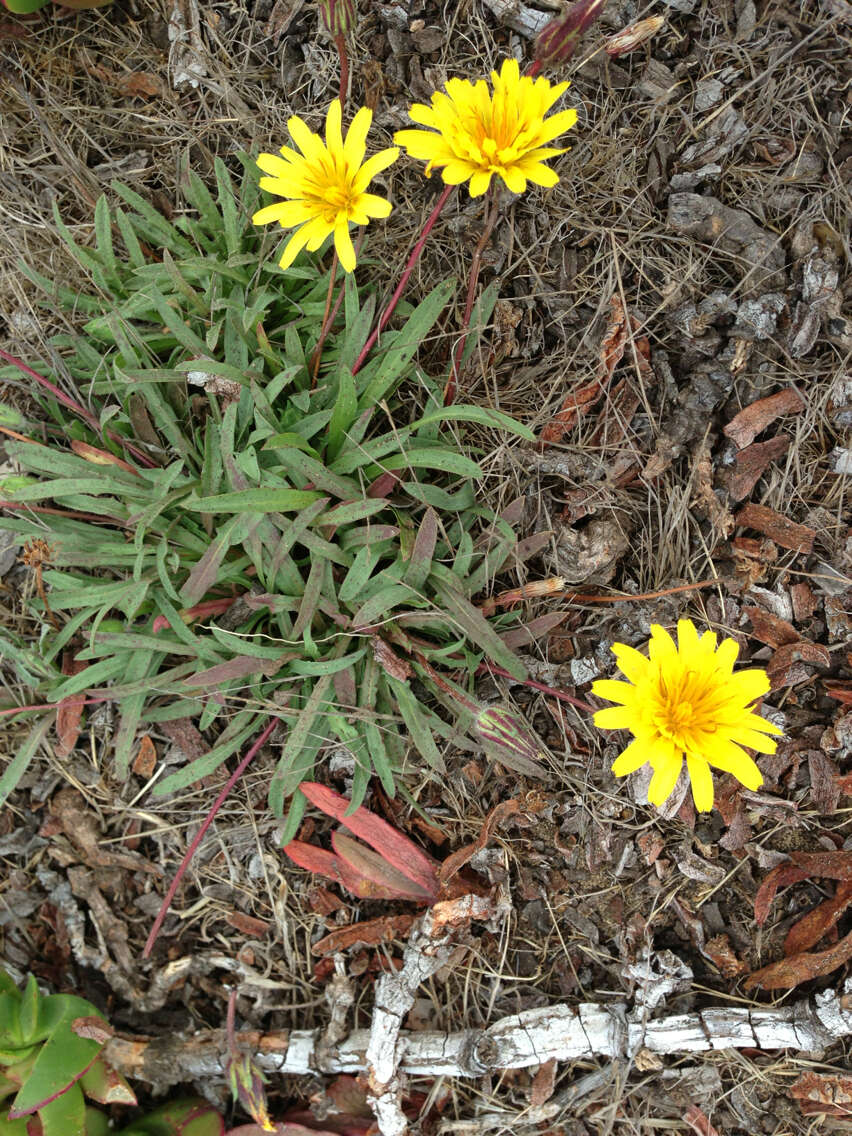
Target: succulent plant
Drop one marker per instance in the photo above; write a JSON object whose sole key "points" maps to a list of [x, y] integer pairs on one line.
{"points": [[50, 1060]]}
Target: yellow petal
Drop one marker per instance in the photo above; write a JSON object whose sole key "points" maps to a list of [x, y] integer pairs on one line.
{"points": [[746, 686], [687, 638], [514, 179], [630, 662], [277, 167], [630, 759], [355, 146], [345, 248], [333, 133], [666, 772], [294, 246], [286, 213], [373, 166], [754, 740], [309, 143], [731, 759], [614, 690], [614, 718], [661, 647], [480, 182], [702, 783], [373, 205], [540, 174]]}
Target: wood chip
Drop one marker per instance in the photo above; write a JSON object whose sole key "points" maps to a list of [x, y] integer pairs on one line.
{"points": [[146, 758], [751, 464], [745, 426], [769, 628], [798, 538], [829, 1094], [248, 925]]}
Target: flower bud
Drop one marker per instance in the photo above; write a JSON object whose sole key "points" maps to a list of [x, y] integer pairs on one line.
{"points": [[507, 738], [633, 36], [558, 39], [247, 1088], [337, 15]]}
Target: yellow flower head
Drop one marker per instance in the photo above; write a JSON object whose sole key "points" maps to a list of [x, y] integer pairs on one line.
{"points": [[476, 134], [326, 185], [685, 701]]}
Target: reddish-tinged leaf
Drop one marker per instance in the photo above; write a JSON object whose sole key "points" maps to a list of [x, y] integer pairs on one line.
{"points": [[699, 1122], [388, 659], [822, 1092], [751, 463], [612, 350], [841, 691], [375, 869], [420, 561], [397, 849], [368, 934], [811, 927], [240, 667], [536, 629], [70, 710], [199, 611], [791, 972], [779, 877], [332, 867], [104, 1085], [100, 457], [458, 859], [248, 925], [721, 954], [827, 865]]}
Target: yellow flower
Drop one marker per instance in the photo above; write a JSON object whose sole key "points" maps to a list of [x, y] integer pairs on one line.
{"points": [[476, 134], [685, 701], [326, 184]]}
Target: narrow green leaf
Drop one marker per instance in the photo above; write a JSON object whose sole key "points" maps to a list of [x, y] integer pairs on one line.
{"points": [[254, 501], [19, 764]]}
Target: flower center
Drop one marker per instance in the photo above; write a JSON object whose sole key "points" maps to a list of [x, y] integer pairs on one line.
{"points": [[338, 198], [673, 719]]}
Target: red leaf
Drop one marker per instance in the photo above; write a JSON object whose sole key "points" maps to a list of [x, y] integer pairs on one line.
{"points": [[811, 927], [779, 877], [397, 849], [375, 870], [790, 972], [332, 867], [70, 710]]}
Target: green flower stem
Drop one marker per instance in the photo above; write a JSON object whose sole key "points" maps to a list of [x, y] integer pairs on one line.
{"points": [[473, 279], [199, 836], [328, 317], [403, 280]]}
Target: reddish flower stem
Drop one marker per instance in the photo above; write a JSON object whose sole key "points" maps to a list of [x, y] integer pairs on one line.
{"points": [[340, 44], [473, 279], [199, 836], [493, 669], [78, 408], [403, 280]]}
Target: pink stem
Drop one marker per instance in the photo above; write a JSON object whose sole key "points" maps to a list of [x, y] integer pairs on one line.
{"points": [[403, 280], [199, 836], [491, 668], [340, 44], [77, 407]]}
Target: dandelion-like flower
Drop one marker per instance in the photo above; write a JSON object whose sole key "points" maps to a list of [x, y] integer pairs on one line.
{"points": [[684, 700], [476, 134], [326, 184]]}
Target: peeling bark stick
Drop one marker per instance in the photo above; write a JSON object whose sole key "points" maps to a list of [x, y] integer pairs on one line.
{"points": [[429, 948], [563, 1032]]}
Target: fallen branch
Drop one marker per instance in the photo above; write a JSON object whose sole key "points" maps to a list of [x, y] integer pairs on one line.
{"points": [[429, 948], [562, 1032]]}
